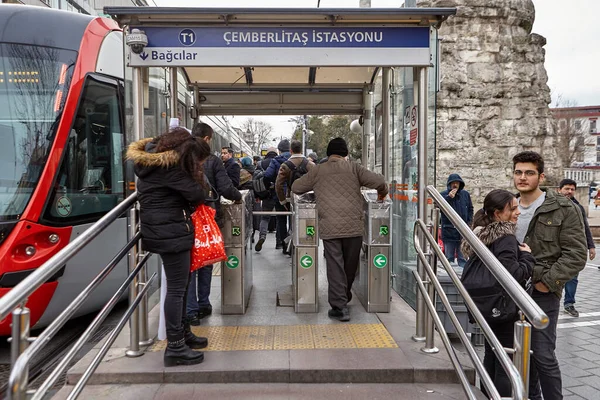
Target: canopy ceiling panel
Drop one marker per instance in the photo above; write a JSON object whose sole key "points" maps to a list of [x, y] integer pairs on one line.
{"points": [[278, 75], [338, 75], [227, 75]]}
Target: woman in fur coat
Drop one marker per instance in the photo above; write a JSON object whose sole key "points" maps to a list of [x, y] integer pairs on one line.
{"points": [[170, 185], [495, 226]]}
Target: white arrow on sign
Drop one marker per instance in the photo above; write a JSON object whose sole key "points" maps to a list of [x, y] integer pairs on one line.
{"points": [[306, 261], [380, 261]]}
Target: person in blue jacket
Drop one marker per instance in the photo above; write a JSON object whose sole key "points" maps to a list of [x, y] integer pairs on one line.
{"points": [[460, 200], [269, 177]]}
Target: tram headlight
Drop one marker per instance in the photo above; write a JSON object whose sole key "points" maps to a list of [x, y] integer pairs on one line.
{"points": [[137, 40], [30, 250], [53, 238]]}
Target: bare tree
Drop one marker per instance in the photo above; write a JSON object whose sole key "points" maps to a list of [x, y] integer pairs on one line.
{"points": [[256, 133], [570, 131]]}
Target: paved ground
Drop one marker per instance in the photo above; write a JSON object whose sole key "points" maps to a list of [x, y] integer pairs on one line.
{"points": [[578, 344]]}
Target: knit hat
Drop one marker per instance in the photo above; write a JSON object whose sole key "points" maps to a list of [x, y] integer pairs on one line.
{"points": [[246, 162], [284, 146], [338, 147]]}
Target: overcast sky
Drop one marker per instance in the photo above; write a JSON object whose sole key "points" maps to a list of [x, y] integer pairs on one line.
{"points": [[570, 26]]}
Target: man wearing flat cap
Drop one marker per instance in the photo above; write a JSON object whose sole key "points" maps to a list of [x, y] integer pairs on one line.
{"points": [[337, 184]]}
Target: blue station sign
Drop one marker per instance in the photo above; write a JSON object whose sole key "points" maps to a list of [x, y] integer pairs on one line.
{"points": [[270, 46]]}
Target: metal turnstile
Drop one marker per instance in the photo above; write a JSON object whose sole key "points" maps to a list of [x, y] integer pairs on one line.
{"points": [[372, 284], [305, 253], [236, 273]]}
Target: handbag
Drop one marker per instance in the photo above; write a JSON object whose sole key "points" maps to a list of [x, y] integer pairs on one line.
{"points": [[208, 241]]}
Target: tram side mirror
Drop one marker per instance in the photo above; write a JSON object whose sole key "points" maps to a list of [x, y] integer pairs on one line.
{"points": [[137, 40]]}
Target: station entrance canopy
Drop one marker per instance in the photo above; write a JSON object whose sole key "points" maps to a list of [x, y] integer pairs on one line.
{"points": [[281, 61]]}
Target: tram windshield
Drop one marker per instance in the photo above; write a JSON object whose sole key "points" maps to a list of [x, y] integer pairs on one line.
{"points": [[33, 87]]}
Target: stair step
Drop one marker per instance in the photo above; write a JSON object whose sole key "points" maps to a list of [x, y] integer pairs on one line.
{"points": [[273, 391]]}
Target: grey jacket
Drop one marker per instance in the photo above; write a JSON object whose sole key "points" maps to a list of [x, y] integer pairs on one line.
{"points": [[337, 185]]}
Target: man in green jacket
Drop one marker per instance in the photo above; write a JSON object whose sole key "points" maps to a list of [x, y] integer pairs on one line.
{"points": [[553, 227]]}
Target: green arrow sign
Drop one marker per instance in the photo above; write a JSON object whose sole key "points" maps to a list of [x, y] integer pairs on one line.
{"points": [[306, 261], [236, 231], [310, 230], [232, 262], [380, 261], [384, 230]]}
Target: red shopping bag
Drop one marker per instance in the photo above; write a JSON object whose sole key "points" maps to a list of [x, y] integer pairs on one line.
{"points": [[208, 244]]}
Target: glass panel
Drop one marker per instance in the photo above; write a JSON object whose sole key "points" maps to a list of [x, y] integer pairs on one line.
{"points": [[34, 81], [404, 173], [90, 180]]}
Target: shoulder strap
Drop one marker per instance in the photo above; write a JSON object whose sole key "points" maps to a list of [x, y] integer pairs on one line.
{"points": [[303, 164], [290, 165]]}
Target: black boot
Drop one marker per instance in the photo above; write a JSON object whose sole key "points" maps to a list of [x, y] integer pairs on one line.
{"points": [[178, 353], [191, 340]]}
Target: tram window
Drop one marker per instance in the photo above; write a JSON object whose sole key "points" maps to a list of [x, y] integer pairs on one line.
{"points": [[90, 181]]}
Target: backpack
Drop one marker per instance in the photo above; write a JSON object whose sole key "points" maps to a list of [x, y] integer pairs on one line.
{"points": [[295, 172], [489, 296], [261, 190]]}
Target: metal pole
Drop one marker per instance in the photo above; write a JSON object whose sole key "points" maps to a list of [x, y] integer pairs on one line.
{"points": [[421, 97], [522, 343], [304, 134], [367, 115], [386, 122], [20, 342], [429, 324], [134, 321], [145, 339], [174, 93]]}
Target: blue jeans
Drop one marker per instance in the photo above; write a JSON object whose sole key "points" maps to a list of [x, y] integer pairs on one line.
{"points": [[452, 249], [570, 289], [267, 205], [199, 290]]}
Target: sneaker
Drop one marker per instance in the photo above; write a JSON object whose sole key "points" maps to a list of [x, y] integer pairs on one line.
{"points": [[340, 315], [204, 312], [570, 309], [194, 320], [279, 246], [259, 244]]}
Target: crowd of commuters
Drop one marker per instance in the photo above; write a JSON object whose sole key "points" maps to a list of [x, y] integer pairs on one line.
{"points": [[540, 236]]}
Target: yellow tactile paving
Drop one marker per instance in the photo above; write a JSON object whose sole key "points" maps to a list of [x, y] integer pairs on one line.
{"points": [[253, 338], [333, 337], [371, 336], [292, 337]]}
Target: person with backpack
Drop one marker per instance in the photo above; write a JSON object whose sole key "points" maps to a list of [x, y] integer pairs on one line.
{"points": [[495, 225], [266, 193], [269, 178], [198, 302], [246, 183], [295, 167]]}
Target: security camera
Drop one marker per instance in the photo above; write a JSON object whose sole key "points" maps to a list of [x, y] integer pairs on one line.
{"points": [[137, 40]]}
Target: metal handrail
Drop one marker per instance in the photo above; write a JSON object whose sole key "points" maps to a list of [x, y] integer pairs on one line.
{"points": [[519, 390], [17, 298], [530, 308], [38, 277]]}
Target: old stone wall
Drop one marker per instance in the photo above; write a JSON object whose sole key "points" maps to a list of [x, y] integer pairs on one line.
{"points": [[494, 95]]}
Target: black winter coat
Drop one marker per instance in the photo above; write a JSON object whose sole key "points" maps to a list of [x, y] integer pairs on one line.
{"points": [[233, 171], [461, 203], [219, 180], [167, 197]]}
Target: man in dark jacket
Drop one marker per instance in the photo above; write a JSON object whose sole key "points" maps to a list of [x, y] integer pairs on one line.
{"points": [[567, 188], [268, 204], [198, 303], [270, 177], [231, 167], [460, 200], [553, 228]]}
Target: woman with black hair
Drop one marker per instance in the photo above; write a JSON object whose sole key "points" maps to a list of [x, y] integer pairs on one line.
{"points": [[170, 185], [495, 225]]}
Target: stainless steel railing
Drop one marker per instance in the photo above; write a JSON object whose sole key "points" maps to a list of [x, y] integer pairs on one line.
{"points": [[14, 301], [518, 372]]}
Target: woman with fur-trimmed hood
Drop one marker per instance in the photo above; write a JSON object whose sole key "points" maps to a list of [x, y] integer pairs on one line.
{"points": [[495, 225], [170, 186]]}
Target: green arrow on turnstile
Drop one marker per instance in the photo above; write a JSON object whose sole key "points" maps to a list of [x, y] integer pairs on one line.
{"points": [[236, 231], [232, 262], [310, 230], [384, 230], [380, 261], [306, 261]]}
